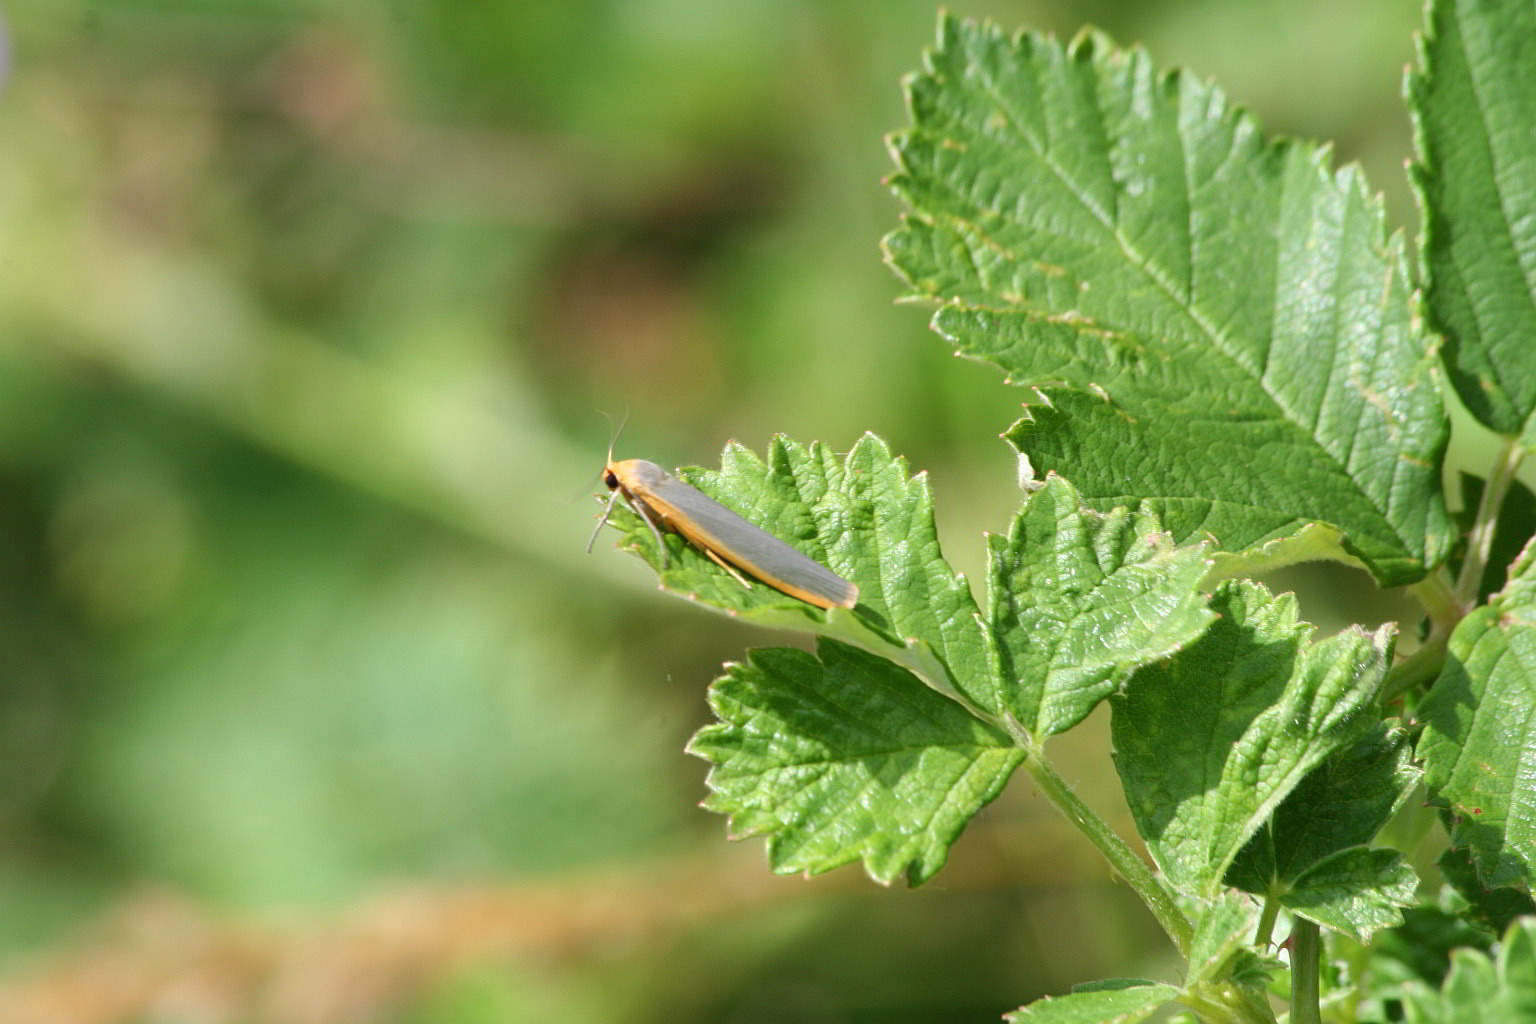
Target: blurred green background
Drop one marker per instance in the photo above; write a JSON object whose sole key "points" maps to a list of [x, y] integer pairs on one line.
{"points": [[312, 707]]}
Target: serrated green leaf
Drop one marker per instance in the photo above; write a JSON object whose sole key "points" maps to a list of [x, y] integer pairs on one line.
{"points": [[1219, 324], [1342, 803], [864, 518], [844, 756], [1480, 731], [1356, 891], [1135, 1001], [1080, 600], [1482, 991], [1476, 182], [1209, 742], [1260, 519], [1310, 856]]}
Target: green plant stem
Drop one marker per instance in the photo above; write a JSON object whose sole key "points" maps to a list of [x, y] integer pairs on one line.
{"points": [[1265, 932], [1438, 597], [1305, 965], [1480, 539], [1121, 857], [1418, 669]]}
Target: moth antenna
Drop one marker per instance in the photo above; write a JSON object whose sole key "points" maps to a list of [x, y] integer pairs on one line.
{"points": [[614, 432]]}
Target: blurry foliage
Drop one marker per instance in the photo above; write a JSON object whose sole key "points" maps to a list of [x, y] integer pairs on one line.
{"points": [[308, 310]]}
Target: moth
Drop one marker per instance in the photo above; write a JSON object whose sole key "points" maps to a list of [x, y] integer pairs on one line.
{"points": [[734, 543]]}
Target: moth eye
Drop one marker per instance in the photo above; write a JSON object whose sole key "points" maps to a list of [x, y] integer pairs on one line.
{"points": [[610, 480]]}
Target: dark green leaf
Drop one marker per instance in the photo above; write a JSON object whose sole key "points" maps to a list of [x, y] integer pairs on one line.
{"points": [[1420, 948], [1356, 891], [1515, 526], [1483, 991], [1476, 181], [1209, 742], [1493, 909], [1310, 856]]}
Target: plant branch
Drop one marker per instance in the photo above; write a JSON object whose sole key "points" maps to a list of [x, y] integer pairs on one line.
{"points": [[1265, 932], [1305, 962], [1121, 857], [1480, 539], [1418, 669], [1438, 597]]}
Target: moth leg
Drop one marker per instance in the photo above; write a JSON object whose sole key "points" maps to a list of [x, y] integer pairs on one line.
{"points": [[602, 521], [728, 567], [645, 513]]}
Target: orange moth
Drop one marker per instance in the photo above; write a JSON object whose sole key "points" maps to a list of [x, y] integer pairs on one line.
{"points": [[664, 501]]}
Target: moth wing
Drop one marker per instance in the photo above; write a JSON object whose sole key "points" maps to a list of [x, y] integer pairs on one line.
{"points": [[709, 524]]}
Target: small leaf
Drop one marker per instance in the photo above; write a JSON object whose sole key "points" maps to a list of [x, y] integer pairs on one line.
{"points": [[1134, 1001], [1217, 324], [1080, 600], [1356, 891], [843, 756], [1480, 730], [1223, 925], [1209, 742], [1475, 127], [1342, 803], [1481, 990], [1310, 856]]}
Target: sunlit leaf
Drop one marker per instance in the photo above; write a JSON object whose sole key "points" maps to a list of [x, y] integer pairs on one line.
{"points": [[1218, 325]]}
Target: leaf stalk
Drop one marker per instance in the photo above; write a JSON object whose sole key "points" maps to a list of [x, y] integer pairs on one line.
{"points": [[1158, 898], [1480, 539]]}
